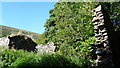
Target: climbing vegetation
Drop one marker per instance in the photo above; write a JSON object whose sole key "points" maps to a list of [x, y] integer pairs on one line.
{"points": [[70, 26]]}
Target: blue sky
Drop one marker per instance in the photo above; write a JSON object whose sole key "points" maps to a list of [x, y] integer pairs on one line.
{"points": [[29, 16]]}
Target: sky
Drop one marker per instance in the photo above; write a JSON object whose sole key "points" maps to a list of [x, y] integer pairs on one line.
{"points": [[30, 16]]}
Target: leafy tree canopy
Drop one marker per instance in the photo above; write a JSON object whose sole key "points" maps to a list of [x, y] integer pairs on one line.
{"points": [[70, 25]]}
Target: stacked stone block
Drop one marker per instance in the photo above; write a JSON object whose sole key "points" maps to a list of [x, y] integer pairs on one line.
{"points": [[48, 48], [103, 52]]}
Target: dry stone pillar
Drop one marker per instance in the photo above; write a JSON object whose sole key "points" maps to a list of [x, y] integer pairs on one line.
{"points": [[104, 34]]}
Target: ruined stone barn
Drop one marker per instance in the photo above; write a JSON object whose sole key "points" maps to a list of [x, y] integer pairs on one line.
{"points": [[18, 42]]}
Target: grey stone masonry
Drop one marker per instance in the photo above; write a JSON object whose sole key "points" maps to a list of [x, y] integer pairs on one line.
{"points": [[18, 42], [49, 47], [103, 52]]}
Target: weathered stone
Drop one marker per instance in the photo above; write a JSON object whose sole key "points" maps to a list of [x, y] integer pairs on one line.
{"points": [[4, 41], [19, 42], [101, 18], [100, 52], [95, 23], [98, 38], [102, 21], [96, 31], [98, 9], [103, 31], [98, 44], [95, 27], [104, 34], [106, 43], [101, 24], [95, 19], [101, 34], [100, 14], [106, 37], [49, 47]]}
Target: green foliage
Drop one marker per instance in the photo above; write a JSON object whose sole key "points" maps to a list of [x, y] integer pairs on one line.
{"points": [[3, 35], [20, 59], [48, 60], [83, 62], [10, 56], [80, 48], [69, 25], [115, 15], [25, 61], [113, 9], [85, 47], [41, 39]]}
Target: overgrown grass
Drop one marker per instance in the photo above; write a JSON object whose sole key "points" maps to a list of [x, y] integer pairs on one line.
{"points": [[21, 59]]}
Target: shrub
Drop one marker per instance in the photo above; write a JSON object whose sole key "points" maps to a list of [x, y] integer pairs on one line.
{"points": [[46, 60], [9, 56], [21, 58], [53, 60], [81, 62]]}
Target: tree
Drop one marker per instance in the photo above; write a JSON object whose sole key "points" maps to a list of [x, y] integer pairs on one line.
{"points": [[70, 26]]}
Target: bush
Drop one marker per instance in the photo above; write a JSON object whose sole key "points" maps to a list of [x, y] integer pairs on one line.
{"points": [[82, 62], [21, 58], [46, 60], [9, 56]]}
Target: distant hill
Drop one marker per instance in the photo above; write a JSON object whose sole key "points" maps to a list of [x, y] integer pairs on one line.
{"points": [[5, 30]]}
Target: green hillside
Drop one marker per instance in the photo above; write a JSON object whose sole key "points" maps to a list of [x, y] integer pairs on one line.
{"points": [[5, 30]]}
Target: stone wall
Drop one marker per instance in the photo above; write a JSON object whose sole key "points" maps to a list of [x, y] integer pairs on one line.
{"points": [[18, 42], [4, 41], [106, 39], [103, 52], [49, 47], [26, 43]]}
